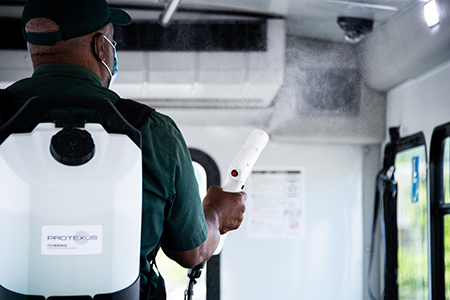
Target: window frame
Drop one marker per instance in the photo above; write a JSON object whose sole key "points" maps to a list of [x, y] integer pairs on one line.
{"points": [[213, 264], [438, 210], [396, 146]]}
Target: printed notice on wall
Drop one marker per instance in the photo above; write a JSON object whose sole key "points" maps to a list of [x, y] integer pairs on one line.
{"points": [[276, 206]]}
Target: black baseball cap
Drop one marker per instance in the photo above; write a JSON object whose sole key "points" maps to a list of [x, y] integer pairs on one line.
{"points": [[74, 17]]}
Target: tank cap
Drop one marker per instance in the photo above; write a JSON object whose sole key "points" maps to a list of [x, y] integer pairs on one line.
{"points": [[72, 147]]}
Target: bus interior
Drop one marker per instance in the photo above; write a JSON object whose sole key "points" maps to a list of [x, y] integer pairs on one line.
{"points": [[349, 199]]}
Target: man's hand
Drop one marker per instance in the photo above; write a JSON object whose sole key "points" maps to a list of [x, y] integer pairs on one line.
{"points": [[229, 208], [224, 212]]}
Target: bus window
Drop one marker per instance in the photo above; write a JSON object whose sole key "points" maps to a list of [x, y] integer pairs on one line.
{"points": [[446, 170], [446, 191], [440, 212], [411, 176], [447, 255]]}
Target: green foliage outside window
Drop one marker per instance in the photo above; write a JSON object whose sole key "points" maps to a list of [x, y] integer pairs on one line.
{"points": [[412, 226], [447, 218]]}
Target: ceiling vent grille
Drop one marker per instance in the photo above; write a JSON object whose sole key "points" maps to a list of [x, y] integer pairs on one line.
{"points": [[193, 35], [230, 72]]}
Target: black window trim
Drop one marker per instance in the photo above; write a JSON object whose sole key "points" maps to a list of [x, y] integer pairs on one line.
{"points": [[438, 210], [213, 264], [396, 145]]}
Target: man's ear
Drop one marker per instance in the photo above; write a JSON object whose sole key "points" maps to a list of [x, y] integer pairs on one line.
{"points": [[99, 51]]}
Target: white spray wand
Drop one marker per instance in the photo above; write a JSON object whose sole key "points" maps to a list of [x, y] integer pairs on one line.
{"points": [[242, 166]]}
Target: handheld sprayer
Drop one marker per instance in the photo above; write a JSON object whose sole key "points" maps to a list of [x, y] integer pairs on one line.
{"points": [[238, 172], [241, 167]]}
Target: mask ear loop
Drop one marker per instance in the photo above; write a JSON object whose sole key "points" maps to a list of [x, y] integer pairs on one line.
{"points": [[107, 68], [103, 62]]}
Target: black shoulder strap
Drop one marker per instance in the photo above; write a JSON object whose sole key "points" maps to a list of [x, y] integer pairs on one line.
{"points": [[5, 106], [161, 285], [134, 112]]}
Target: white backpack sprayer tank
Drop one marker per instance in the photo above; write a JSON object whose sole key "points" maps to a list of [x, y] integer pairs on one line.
{"points": [[70, 204]]}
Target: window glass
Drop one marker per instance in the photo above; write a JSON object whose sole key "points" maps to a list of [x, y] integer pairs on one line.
{"points": [[175, 276], [447, 255], [446, 170], [411, 176]]}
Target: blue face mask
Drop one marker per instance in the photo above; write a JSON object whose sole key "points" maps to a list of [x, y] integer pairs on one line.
{"points": [[115, 71]]}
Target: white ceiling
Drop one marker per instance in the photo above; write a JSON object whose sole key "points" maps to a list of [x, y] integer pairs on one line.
{"points": [[307, 18]]}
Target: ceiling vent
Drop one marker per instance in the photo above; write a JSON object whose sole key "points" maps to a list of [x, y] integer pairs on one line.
{"points": [[202, 64]]}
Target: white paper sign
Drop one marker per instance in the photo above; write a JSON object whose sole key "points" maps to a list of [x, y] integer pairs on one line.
{"points": [[276, 205], [71, 240]]}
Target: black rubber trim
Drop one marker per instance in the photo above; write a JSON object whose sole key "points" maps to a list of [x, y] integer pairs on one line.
{"points": [[396, 145], [213, 264], [438, 210]]}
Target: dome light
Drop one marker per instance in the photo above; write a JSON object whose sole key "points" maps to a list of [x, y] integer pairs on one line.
{"points": [[431, 13]]}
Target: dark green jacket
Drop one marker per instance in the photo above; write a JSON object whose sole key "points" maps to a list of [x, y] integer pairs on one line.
{"points": [[172, 209]]}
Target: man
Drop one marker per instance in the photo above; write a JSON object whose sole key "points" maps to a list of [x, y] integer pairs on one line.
{"points": [[73, 54]]}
